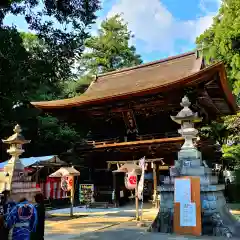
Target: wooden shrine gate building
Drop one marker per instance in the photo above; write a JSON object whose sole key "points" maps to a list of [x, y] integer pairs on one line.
{"points": [[125, 115]]}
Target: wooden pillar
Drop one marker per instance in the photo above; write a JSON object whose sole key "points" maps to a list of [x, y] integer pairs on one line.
{"points": [[137, 203], [116, 190], [154, 182], [158, 180]]}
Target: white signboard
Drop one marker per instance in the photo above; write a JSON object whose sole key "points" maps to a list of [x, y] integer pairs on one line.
{"points": [[121, 194], [188, 215], [182, 190]]}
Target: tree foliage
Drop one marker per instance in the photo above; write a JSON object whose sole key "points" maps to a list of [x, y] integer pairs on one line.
{"points": [[216, 131], [222, 41], [36, 66], [77, 87], [226, 133], [110, 49], [231, 150]]}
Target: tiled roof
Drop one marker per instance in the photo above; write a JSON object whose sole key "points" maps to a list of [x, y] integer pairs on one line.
{"points": [[134, 81], [145, 76]]}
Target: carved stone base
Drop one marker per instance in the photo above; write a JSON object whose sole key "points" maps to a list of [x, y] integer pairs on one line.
{"points": [[163, 222], [216, 218], [224, 224], [164, 219]]}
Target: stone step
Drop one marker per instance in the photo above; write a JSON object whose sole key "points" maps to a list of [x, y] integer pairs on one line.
{"points": [[195, 171], [204, 180]]}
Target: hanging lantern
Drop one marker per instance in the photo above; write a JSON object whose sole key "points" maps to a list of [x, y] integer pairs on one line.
{"points": [[131, 180], [67, 183]]}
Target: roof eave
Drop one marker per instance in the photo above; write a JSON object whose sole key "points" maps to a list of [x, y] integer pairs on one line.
{"points": [[192, 79]]}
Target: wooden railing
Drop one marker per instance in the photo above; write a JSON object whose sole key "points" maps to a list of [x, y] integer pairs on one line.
{"points": [[157, 136], [103, 141], [138, 138]]}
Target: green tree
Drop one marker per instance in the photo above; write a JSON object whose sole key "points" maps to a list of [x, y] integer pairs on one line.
{"points": [[222, 41], [35, 67], [217, 131], [110, 49], [231, 150], [75, 87]]}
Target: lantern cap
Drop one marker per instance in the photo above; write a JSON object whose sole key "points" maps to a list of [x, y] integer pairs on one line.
{"points": [[129, 167], [65, 171], [186, 114], [17, 137]]}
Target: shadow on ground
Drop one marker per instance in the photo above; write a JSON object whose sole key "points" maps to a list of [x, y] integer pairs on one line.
{"points": [[234, 206], [52, 218], [119, 234], [136, 234]]}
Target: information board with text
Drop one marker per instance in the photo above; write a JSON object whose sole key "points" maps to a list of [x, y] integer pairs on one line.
{"points": [[86, 192]]}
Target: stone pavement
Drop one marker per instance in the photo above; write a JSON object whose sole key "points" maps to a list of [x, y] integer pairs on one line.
{"points": [[69, 229], [106, 225], [107, 228], [130, 231], [90, 221]]}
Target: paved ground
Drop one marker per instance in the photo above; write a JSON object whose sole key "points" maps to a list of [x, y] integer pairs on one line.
{"points": [[61, 227], [77, 227], [130, 231], [117, 224]]}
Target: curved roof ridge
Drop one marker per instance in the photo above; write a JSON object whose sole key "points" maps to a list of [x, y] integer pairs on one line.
{"points": [[85, 99], [147, 64]]}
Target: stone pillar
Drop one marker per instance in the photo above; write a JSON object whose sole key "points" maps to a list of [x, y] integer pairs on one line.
{"points": [[216, 218]]}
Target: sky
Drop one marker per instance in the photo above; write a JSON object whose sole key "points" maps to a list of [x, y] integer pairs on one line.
{"points": [[162, 28]]}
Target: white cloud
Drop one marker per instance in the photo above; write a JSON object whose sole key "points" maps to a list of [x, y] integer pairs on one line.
{"points": [[155, 26], [203, 5]]}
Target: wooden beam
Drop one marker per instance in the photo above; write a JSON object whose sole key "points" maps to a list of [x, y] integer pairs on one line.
{"points": [[134, 143], [135, 161], [137, 107]]}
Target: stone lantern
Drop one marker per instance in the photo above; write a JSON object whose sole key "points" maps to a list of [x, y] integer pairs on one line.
{"points": [[14, 177], [16, 142], [188, 155], [216, 218], [186, 118]]}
